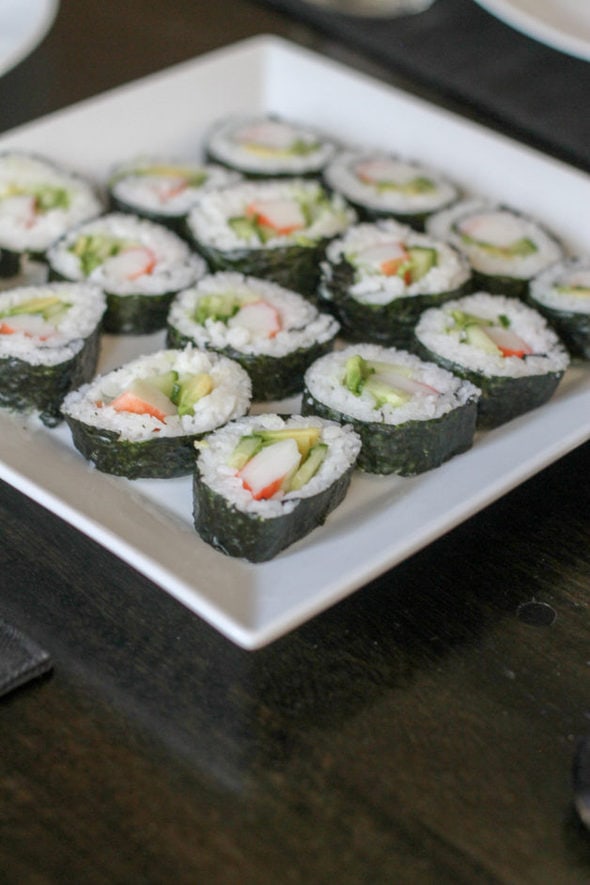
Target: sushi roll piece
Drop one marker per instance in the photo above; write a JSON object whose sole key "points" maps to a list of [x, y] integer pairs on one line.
{"points": [[276, 230], [500, 344], [562, 294], [139, 264], [268, 147], [377, 278], [271, 332], [505, 248], [49, 340], [380, 185], [410, 415], [264, 482], [164, 190], [39, 202], [142, 419]]}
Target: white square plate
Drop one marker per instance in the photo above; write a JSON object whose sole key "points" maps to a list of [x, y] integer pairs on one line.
{"points": [[383, 520]]}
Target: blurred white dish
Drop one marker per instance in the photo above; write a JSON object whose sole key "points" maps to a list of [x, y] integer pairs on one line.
{"points": [[23, 24], [562, 24]]}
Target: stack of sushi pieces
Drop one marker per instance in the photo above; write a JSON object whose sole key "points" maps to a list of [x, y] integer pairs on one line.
{"points": [[381, 185], [39, 201], [506, 249], [273, 333], [139, 264], [266, 481], [269, 147], [277, 229], [377, 278], [49, 344], [164, 189], [411, 415], [500, 344], [407, 314], [142, 419], [562, 294]]}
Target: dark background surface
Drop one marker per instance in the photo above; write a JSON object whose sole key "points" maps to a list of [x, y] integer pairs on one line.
{"points": [[421, 731], [461, 53]]}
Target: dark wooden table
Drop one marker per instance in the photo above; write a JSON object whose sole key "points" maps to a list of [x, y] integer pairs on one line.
{"points": [[422, 731]]}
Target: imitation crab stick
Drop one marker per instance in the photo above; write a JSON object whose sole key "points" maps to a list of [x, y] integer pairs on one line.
{"points": [[270, 470], [22, 208], [132, 263], [143, 398], [258, 317], [377, 171], [388, 258], [282, 216], [508, 342]]}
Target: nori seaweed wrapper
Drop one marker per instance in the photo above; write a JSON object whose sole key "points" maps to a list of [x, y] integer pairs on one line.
{"points": [[252, 536], [294, 267], [415, 220], [175, 223], [262, 174], [136, 314], [42, 388], [512, 287], [131, 314], [409, 448], [10, 263], [503, 398], [272, 377], [388, 324], [158, 458], [572, 327]]}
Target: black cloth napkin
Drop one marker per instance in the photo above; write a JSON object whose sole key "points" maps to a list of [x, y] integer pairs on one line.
{"points": [[21, 658], [459, 51]]}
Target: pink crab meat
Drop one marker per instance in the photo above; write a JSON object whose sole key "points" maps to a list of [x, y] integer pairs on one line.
{"points": [[143, 398], [494, 228], [31, 325], [402, 381], [132, 263], [283, 216], [270, 134], [508, 342], [270, 469], [169, 187], [377, 171], [260, 318], [580, 280], [21, 209], [385, 257]]}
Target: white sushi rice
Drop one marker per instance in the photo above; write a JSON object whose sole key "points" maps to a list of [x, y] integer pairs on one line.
{"points": [[342, 176], [226, 144], [229, 399], [443, 225], [139, 184], [373, 287], [21, 176], [176, 267], [64, 337], [208, 220], [324, 381], [301, 323], [545, 289], [548, 355], [216, 450]]}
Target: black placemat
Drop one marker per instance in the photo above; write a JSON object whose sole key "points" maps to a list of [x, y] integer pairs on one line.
{"points": [[21, 658], [458, 50]]}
